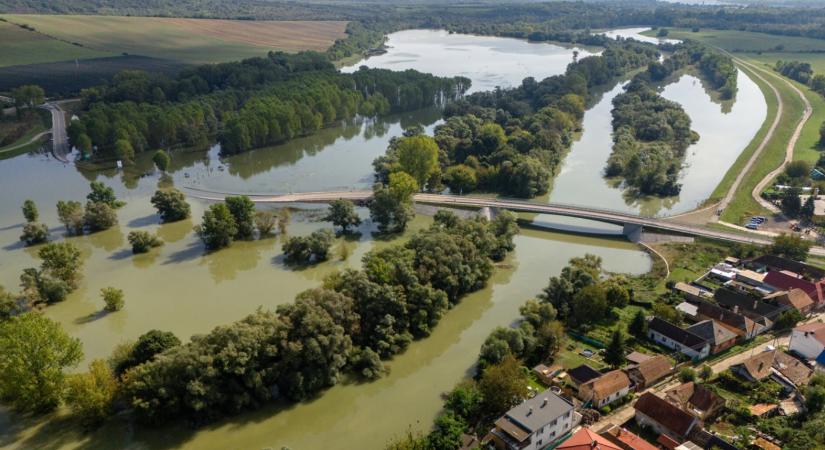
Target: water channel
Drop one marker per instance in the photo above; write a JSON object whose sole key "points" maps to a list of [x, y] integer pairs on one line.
{"points": [[179, 288]]}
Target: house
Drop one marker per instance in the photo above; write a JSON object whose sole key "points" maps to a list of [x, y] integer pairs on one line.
{"points": [[719, 337], [650, 371], [808, 340], [744, 327], [582, 374], [790, 371], [751, 278], [696, 400], [755, 368], [625, 439], [739, 302], [606, 389], [664, 418], [691, 292], [795, 298], [534, 424], [669, 335], [787, 281], [584, 439], [767, 263]]}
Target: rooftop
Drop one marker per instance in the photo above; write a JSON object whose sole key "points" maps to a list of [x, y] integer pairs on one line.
{"points": [[536, 412], [654, 368], [814, 329], [627, 439], [692, 396], [584, 439], [779, 263], [583, 373], [733, 299], [675, 333], [669, 416], [712, 331], [609, 383], [795, 298], [759, 366], [791, 368]]}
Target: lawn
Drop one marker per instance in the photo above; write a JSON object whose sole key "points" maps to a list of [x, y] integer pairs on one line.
{"points": [[193, 41], [22, 46]]}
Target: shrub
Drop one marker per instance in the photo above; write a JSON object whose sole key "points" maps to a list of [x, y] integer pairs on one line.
{"points": [[35, 233], [113, 298], [143, 241]]}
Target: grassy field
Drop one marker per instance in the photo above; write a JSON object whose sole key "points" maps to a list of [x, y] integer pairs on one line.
{"points": [[185, 40], [747, 41], [20, 46]]}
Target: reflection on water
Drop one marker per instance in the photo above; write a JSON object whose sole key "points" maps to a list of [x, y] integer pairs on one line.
{"points": [[488, 61], [636, 33]]}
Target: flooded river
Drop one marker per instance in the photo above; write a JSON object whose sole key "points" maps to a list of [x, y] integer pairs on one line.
{"points": [[179, 288]]}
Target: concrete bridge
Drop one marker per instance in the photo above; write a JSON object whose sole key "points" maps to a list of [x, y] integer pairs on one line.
{"points": [[632, 224]]}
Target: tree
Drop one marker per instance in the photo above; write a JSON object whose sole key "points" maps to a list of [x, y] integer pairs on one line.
{"points": [[171, 205], [589, 305], [447, 432], [822, 135], [35, 233], [791, 203], [663, 32], [243, 210], [706, 372], [218, 227], [806, 213], [502, 386], [460, 179], [264, 222], [788, 319], [30, 211], [124, 151], [147, 346], [103, 194], [368, 364], [143, 241], [99, 216], [391, 208], [308, 249], [798, 169], [687, 374], [70, 214], [61, 260], [465, 401], [90, 395], [36, 350], [161, 160], [667, 313], [615, 351], [112, 298], [28, 96], [790, 246], [342, 214], [9, 305], [638, 325], [418, 156]]}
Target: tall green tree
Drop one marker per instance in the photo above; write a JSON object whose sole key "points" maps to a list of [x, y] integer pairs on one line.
{"points": [[615, 352], [171, 205], [243, 210], [63, 261], [418, 156], [35, 353], [791, 246], [503, 386], [100, 193], [218, 227], [30, 211], [161, 160], [70, 214], [28, 96], [90, 395]]}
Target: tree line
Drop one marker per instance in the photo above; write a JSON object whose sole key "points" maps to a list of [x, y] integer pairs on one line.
{"points": [[255, 102], [713, 66], [508, 140]]}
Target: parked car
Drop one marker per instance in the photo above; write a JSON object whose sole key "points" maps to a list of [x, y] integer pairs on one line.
{"points": [[752, 226]]}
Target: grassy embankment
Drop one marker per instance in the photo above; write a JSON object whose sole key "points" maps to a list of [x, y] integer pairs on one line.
{"points": [[193, 41]]}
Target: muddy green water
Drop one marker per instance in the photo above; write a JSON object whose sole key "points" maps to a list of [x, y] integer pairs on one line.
{"points": [[181, 289]]}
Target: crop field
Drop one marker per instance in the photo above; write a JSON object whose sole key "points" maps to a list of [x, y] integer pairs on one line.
{"points": [[193, 41], [20, 46]]}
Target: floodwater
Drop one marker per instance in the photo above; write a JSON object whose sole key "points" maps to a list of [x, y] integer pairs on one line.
{"points": [[636, 33], [180, 288], [489, 61]]}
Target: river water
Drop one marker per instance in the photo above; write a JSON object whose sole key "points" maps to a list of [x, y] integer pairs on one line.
{"points": [[179, 288]]}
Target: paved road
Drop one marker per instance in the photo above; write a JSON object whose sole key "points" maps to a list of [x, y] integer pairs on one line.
{"points": [[60, 140], [583, 212]]}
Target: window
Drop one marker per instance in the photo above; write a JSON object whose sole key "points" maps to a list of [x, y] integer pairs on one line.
{"points": [[541, 430], [538, 443], [554, 422], [567, 415]]}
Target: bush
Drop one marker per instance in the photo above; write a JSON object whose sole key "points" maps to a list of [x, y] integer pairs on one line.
{"points": [[113, 298], [99, 216], [308, 249], [171, 205], [143, 241], [35, 233], [687, 374]]}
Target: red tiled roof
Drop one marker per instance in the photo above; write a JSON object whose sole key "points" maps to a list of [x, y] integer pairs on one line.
{"points": [[784, 281], [669, 416], [631, 440], [584, 439]]}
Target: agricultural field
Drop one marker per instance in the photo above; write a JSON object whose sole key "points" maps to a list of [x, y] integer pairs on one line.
{"points": [[21, 46], [192, 41]]}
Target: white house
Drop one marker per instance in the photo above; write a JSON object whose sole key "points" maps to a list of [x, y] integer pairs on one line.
{"points": [[808, 340], [673, 337], [534, 424], [606, 389]]}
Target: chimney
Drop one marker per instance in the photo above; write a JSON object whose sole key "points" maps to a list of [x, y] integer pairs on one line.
{"points": [[736, 309], [544, 402], [755, 301], [530, 411]]}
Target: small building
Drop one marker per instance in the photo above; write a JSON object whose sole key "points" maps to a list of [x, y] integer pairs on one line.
{"points": [[546, 374], [664, 418], [723, 272], [582, 374], [637, 357], [719, 337], [795, 298], [625, 439], [753, 307], [649, 372], [665, 333], [691, 292], [755, 368], [764, 409], [584, 439], [808, 340], [765, 444], [786, 281], [790, 371], [606, 389], [689, 310], [534, 424], [696, 400], [751, 278]]}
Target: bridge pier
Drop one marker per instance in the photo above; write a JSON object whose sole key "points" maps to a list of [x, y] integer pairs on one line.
{"points": [[632, 232]]}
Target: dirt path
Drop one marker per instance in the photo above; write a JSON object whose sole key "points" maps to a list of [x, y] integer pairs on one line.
{"points": [[789, 148], [33, 139]]}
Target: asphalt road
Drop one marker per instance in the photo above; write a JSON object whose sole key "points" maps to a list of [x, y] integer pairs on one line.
{"points": [[60, 140]]}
